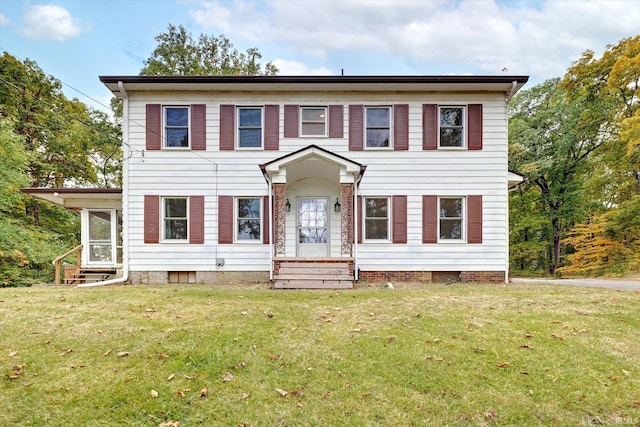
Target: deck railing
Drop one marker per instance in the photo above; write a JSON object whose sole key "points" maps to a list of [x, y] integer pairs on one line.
{"points": [[58, 261]]}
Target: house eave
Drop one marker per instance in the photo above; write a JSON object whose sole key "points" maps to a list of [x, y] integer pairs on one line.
{"points": [[79, 198], [466, 83]]}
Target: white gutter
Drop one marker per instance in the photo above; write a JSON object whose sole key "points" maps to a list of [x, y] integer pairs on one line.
{"points": [[271, 225], [125, 203]]}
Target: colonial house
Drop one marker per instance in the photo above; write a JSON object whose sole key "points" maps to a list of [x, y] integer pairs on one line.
{"points": [[308, 182]]}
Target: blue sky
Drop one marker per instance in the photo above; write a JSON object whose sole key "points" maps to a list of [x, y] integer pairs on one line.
{"points": [[78, 40]]}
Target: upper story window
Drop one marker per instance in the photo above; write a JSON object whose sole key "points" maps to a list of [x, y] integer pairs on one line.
{"points": [[451, 218], [174, 218], [249, 127], [378, 127], [176, 127], [452, 126], [376, 218], [248, 219], [313, 121]]}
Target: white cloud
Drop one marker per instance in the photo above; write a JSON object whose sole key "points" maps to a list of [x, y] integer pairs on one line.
{"points": [[540, 38], [51, 22], [295, 68], [3, 19]]}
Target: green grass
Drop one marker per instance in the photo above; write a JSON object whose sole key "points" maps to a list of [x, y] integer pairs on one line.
{"points": [[460, 354]]}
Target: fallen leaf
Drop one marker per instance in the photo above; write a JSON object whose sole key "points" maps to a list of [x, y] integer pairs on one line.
{"points": [[491, 415], [150, 310], [555, 322], [123, 353], [636, 404], [526, 347], [108, 352], [275, 357], [190, 377], [528, 335], [170, 424], [557, 337], [479, 349], [299, 403], [283, 393], [170, 377], [163, 356], [204, 392], [245, 396], [327, 393], [67, 351], [502, 365], [180, 393], [154, 394], [357, 330], [227, 377], [244, 313], [627, 373], [270, 315]]}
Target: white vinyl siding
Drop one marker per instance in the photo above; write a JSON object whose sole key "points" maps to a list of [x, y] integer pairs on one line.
{"points": [[414, 173]]}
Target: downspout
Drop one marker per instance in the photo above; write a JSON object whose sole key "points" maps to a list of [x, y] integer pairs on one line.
{"points": [[514, 87], [125, 203], [356, 272]]}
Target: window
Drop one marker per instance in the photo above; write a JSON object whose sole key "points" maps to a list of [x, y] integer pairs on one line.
{"points": [[176, 127], [174, 214], [378, 126], [451, 218], [250, 127], [452, 127], [376, 218], [314, 121], [248, 219]]}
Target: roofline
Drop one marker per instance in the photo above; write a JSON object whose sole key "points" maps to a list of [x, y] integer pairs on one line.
{"points": [[43, 190], [317, 79]]}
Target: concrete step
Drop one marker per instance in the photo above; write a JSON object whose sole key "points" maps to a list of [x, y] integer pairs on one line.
{"points": [[313, 284]]}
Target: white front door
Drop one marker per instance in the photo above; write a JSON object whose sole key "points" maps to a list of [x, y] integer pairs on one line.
{"points": [[313, 227]]}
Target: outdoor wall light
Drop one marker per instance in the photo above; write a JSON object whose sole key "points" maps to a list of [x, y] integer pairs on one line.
{"points": [[336, 207], [287, 206]]}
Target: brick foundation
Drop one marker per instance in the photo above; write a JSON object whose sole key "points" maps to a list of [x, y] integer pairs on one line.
{"points": [[433, 277]]}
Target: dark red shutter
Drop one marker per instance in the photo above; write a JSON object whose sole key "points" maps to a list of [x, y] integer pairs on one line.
{"points": [[151, 219], [266, 213], [401, 127], [336, 121], [291, 121], [227, 127], [474, 219], [225, 219], [198, 127], [360, 219], [196, 219], [399, 207], [271, 127], [356, 127], [154, 126], [474, 124], [429, 127], [429, 219]]}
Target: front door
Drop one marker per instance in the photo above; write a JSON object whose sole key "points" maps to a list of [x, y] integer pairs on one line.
{"points": [[313, 227]]}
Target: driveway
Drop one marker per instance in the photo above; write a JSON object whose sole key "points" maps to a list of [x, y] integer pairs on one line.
{"points": [[624, 285]]}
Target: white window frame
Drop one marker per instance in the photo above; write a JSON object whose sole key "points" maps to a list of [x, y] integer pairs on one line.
{"points": [[238, 128], [324, 122], [165, 126], [164, 239], [364, 219], [391, 120], [236, 220], [463, 127], [463, 219]]}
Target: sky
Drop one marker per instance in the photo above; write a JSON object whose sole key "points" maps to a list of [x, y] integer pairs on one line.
{"points": [[76, 41]]}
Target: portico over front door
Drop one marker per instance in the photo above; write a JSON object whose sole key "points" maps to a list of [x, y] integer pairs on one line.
{"points": [[313, 227]]}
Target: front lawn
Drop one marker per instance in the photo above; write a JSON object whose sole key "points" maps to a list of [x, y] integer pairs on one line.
{"points": [[459, 354]]}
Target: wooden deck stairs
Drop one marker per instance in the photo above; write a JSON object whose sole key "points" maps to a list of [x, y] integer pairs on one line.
{"points": [[303, 273], [88, 275]]}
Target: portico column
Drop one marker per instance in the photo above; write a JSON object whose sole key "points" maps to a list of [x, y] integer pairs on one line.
{"points": [[346, 210], [279, 219]]}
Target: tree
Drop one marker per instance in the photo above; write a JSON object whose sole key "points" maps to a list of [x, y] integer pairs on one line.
{"points": [[179, 54]]}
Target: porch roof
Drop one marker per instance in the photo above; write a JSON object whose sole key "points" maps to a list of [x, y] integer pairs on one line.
{"points": [[79, 198]]}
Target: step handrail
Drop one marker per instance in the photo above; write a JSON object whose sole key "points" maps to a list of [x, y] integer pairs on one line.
{"points": [[56, 262]]}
